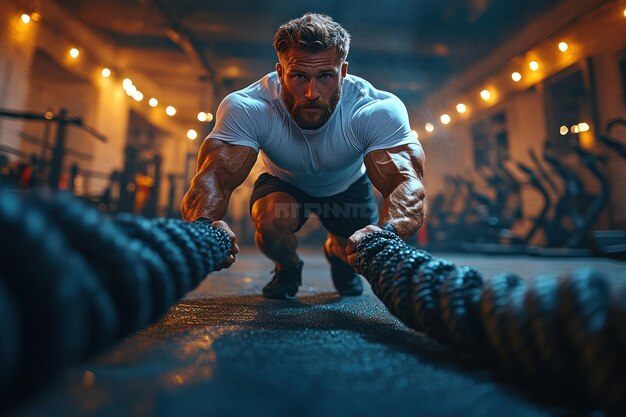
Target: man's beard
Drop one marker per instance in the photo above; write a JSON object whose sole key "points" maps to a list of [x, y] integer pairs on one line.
{"points": [[310, 123]]}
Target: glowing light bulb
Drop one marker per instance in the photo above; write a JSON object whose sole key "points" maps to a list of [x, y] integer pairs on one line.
{"points": [[574, 129], [192, 134], [534, 65], [485, 95], [563, 131], [137, 95], [209, 117], [74, 53], [583, 127], [202, 116], [563, 46], [516, 76], [153, 102], [461, 108], [127, 83], [445, 119], [170, 110], [106, 73], [429, 127], [25, 18]]}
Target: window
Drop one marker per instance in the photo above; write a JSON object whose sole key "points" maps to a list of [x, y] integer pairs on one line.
{"points": [[567, 103], [491, 141]]}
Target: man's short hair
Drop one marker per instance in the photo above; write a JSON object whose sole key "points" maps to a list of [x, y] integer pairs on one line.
{"points": [[312, 32]]}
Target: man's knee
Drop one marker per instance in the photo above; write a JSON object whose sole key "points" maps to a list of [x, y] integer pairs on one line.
{"points": [[275, 215]]}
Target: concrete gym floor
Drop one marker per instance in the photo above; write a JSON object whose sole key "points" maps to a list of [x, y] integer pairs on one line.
{"points": [[226, 351]]}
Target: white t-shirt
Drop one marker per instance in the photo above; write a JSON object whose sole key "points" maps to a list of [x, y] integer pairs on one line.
{"points": [[324, 161]]}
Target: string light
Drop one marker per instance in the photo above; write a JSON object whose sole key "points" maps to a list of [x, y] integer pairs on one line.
{"points": [[130, 89], [192, 134], [516, 77], [429, 127], [137, 95]]}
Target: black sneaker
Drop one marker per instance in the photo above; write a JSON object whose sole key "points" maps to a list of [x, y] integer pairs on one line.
{"points": [[284, 285], [345, 280]]}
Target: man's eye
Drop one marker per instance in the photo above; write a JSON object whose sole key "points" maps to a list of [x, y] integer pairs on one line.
{"points": [[326, 76], [298, 77]]}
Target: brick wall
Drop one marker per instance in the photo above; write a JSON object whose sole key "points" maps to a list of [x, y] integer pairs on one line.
{"points": [[37, 75], [17, 45]]}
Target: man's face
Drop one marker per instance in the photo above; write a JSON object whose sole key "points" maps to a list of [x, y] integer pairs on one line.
{"points": [[311, 85]]}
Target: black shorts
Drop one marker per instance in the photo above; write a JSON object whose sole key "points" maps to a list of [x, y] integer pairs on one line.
{"points": [[341, 214]]}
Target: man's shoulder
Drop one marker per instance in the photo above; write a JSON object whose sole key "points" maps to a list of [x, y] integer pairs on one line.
{"points": [[366, 98], [260, 95], [374, 110]]}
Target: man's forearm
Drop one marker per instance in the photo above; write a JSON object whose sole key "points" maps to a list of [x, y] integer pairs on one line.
{"points": [[397, 173], [404, 208], [205, 198], [221, 169]]}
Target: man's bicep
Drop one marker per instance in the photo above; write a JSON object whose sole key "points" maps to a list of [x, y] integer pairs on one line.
{"points": [[388, 168]]}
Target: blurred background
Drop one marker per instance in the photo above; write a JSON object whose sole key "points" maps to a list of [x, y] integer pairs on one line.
{"points": [[520, 106]]}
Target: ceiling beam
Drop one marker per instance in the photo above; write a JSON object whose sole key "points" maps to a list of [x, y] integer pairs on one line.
{"points": [[183, 38]]}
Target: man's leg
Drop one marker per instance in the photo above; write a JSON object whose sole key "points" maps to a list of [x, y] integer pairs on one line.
{"points": [[342, 215], [276, 220], [336, 245], [345, 280]]}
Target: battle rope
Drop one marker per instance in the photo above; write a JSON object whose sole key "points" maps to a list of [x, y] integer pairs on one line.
{"points": [[73, 281], [566, 332]]}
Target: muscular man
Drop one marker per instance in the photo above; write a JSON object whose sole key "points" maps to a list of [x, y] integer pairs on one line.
{"points": [[323, 135]]}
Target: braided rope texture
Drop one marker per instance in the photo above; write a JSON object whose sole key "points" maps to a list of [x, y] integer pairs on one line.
{"points": [[73, 281], [555, 333]]}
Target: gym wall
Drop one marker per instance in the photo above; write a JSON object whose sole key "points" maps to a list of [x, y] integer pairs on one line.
{"points": [[596, 34]]}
